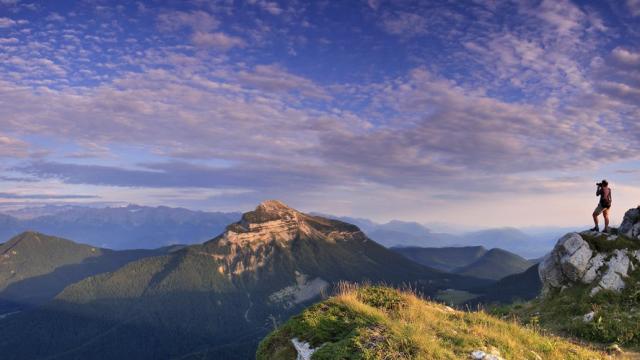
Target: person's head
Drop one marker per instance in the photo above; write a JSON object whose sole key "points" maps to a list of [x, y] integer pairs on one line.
{"points": [[604, 183]]}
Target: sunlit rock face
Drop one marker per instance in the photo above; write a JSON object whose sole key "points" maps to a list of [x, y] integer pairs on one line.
{"points": [[248, 244]]}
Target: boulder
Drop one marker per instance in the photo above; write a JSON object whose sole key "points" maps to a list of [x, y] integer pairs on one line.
{"points": [[574, 255], [630, 226], [568, 262]]}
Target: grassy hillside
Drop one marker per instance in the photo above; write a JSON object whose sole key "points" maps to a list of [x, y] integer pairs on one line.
{"points": [[382, 323], [35, 267], [444, 258], [495, 264]]}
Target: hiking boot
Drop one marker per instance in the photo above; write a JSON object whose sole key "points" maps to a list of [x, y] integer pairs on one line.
{"points": [[606, 230], [596, 229]]}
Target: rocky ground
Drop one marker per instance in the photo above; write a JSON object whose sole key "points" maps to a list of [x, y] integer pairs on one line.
{"points": [[591, 287]]}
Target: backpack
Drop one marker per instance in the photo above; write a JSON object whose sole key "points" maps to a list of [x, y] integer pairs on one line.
{"points": [[606, 201]]}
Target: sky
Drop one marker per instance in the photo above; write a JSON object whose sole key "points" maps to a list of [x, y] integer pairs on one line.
{"points": [[475, 113]]}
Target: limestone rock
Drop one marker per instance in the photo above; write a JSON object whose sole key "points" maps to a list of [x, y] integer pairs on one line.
{"points": [[588, 317], [617, 270], [568, 262], [481, 355], [595, 263], [304, 349], [574, 255], [630, 226]]}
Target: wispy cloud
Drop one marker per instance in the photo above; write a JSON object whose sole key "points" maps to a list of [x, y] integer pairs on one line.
{"points": [[269, 98]]}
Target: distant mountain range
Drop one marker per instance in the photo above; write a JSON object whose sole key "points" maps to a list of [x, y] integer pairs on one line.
{"points": [[474, 261], [211, 301], [533, 243], [130, 227], [143, 227]]}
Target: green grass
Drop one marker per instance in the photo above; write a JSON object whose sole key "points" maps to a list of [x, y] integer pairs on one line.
{"points": [[617, 315], [381, 323], [600, 243]]}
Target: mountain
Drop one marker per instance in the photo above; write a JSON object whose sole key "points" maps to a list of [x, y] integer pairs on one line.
{"points": [[130, 227], [523, 286], [495, 264], [510, 239], [214, 300], [382, 323], [35, 267], [532, 243], [444, 258]]}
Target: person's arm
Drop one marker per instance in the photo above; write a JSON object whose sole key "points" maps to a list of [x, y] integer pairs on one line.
{"points": [[599, 191]]}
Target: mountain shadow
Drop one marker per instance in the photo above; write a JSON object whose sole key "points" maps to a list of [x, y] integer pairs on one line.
{"points": [[35, 267]]}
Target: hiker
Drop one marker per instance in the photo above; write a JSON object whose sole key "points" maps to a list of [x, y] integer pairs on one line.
{"points": [[603, 206]]}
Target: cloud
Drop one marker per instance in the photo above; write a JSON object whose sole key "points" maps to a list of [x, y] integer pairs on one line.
{"points": [[275, 78], [54, 16], [11, 147], [374, 4], [634, 7], [269, 6], [217, 40], [4, 195], [179, 175], [405, 23], [195, 20], [6, 22], [563, 15], [626, 57]]}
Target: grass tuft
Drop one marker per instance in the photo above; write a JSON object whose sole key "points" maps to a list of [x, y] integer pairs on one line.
{"points": [[379, 323]]}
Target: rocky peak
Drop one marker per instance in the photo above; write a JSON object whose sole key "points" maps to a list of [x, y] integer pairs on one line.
{"points": [[270, 210], [270, 221], [601, 260]]}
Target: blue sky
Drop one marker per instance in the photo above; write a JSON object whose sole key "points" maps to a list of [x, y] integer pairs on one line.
{"points": [[478, 113]]}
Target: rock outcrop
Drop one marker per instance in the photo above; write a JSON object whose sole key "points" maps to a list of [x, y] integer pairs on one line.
{"points": [[630, 226], [602, 261]]}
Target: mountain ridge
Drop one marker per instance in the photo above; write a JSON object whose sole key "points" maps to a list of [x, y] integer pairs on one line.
{"points": [[261, 269]]}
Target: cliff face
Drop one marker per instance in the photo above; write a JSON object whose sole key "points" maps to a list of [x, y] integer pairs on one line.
{"points": [[600, 261]]}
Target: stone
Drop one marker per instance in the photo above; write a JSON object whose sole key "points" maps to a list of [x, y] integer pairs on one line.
{"points": [[304, 349], [630, 226], [595, 263], [549, 272], [567, 263], [588, 317], [617, 270], [481, 355], [574, 254]]}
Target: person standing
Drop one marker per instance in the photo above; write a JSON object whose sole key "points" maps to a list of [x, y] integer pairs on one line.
{"points": [[603, 206]]}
